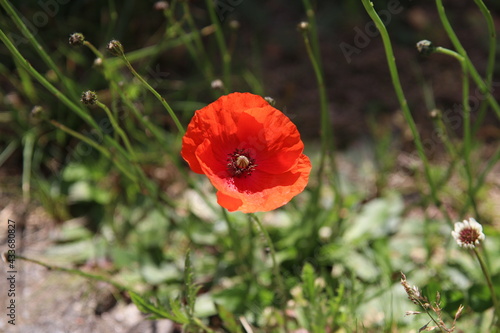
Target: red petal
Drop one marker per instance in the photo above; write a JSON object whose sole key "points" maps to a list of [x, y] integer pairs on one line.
{"points": [[217, 119], [273, 137], [230, 203], [260, 191]]}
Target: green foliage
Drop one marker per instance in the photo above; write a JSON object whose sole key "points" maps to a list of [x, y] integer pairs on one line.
{"points": [[329, 261]]}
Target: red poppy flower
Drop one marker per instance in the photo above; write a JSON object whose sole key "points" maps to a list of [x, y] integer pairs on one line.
{"points": [[250, 151]]}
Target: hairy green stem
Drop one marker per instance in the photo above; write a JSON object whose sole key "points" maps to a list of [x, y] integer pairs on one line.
{"points": [[38, 47], [490, 68], [277, 274], [401, 97], [95, 145], [44, 82], [490, 284], [221, 42], [118, 129], [171, 112], [467, 146], [482, 177], [75, 272], [492, 41], [29, 143], [460, 49]]}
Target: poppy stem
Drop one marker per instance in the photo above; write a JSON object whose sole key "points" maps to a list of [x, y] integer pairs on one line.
{"points": [[483, 87], [491, 61], [310, 37], [221, 42], [277, 274], [171, 112], [486, 274], [398, 88], [467, 145]]}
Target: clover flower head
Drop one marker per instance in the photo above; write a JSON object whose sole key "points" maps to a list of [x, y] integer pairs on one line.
{"points": [[468, 233]]}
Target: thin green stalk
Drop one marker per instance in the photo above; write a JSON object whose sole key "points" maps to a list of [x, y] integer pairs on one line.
{"points": [[152, 50], [11, 12], [7, 152], [460, 49], [93, 144], [207, 65], [29, 143], [490, 285], [221, 42], [147, 124], [235, 239], [491, 60], [466, 117], [118, 129], [44, 82], [492, 41], [158, 134], [94, 50], [311, 18], [326, 133], [482, 177], [401, 97], [310, 37], [75, 272], [277, 274], [171, 112]]}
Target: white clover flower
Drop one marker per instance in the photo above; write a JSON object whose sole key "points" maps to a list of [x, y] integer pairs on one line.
{"points": [[468, 234]]}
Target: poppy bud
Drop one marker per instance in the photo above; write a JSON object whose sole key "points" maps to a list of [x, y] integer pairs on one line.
{"points": [[234, 24], [425, 47], [115, 48], [217, 84], [435, 114], [303, 26], [160, 5], [89, 97], [76, 39], [270, 100], [37, 111]]}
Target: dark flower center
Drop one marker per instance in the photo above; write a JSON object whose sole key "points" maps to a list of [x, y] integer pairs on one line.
{"points": [[469, 236], [240, 164]]}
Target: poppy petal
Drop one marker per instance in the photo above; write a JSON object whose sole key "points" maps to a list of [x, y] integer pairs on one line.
{"points": [[273, 136], [261, 191], [217, 119]]}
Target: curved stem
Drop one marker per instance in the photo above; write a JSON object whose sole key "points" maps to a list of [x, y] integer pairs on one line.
{"points": [[460, 49], [401, 97], [277, 274], [491, 60], [38, 47], [226, 56], [171, 112], [76, 272], [467, 126], [44, 82], [118, 129], [489, 283]]}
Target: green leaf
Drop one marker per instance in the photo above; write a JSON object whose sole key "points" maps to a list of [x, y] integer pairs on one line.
{"points": [[308, 278], [191, 288], [175, 306], [228, 319], [146, 307], [378, 218], [234, 298], [479, 297]]}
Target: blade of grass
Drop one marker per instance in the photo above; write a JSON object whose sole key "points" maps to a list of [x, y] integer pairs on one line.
{"points": [[68, 84]]}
